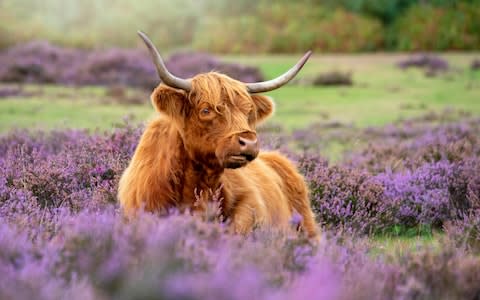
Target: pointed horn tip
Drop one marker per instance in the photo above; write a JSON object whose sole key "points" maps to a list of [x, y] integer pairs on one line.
{"points": [[306, 56], [143, 36], [162, 70], [147, 42], [270, 85]]}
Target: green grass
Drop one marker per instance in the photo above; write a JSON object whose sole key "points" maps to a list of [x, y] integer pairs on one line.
{"points": [[381, 94], [33, 113], [400, 245], [400, 240], [56, 107]]}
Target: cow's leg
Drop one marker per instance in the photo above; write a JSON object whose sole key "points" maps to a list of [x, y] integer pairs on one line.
{"points": [[301, 203], [248, 214], [294, 188]]}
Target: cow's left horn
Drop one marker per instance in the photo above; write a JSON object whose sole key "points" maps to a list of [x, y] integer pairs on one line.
{"points": [[265, 86], [166, 77]]}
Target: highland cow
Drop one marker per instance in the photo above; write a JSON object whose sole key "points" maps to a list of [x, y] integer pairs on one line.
{"points": [[204, 139]]}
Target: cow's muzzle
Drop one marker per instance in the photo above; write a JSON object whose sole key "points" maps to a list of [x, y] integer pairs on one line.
{"points": [[247, 146]]}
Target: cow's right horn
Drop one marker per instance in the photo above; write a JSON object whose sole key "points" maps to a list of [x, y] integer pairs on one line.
{"points": [[166, 77], [270, 85]]}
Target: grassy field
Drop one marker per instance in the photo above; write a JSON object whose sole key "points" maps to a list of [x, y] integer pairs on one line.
{"points": [[381, 93], [47, 107]]}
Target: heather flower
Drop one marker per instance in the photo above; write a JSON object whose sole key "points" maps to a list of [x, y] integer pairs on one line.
{"points": [[42, 62], [296, 219], [346, 198], [62, 234], [426, 61], [465, 231]]}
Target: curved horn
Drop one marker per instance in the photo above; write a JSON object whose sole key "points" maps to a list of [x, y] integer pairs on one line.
{"points": [[166, 77], [265, 86]]}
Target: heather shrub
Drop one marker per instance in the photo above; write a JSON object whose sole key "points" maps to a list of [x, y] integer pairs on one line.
{"points": [[57, 169], [464, 190], [42, 62], [36, 61], [417, 174], [109, 256], [96, 254], [475, 64], [420, 197], [189, 64], [275, 137], [329, 78], [333, 78], [345, 198], [63, 235], [449, 273], [113, 67], [465, 231], [404, 145], [10, 91], [428, 62], [317, 137], [408, 146]]}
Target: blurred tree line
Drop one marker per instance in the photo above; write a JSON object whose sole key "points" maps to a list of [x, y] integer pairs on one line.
{"points": [[248, 26]]}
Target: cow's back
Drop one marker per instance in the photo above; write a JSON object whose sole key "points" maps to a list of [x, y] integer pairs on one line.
{"points": [[146, 182]]}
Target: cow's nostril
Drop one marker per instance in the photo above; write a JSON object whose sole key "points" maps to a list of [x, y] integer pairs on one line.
{"points": [[247, 144]]}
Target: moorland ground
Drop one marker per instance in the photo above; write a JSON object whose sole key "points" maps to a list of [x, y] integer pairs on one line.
{"points": [[381, 93]]}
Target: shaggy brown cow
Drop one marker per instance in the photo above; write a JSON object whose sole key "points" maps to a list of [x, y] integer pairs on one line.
{"points": [[204, 139]]}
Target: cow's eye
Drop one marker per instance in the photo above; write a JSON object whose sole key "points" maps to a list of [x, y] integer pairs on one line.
{"points": [[207, 114]]}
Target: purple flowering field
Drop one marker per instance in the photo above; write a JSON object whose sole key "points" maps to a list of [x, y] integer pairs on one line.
{"points": [[62, 235]]}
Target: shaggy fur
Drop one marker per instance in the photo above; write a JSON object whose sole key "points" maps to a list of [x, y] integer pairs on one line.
{"points": [[190, 146]]}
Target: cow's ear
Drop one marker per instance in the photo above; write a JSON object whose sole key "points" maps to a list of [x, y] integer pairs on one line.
{"points": [[265, 106], [169, 101]]}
